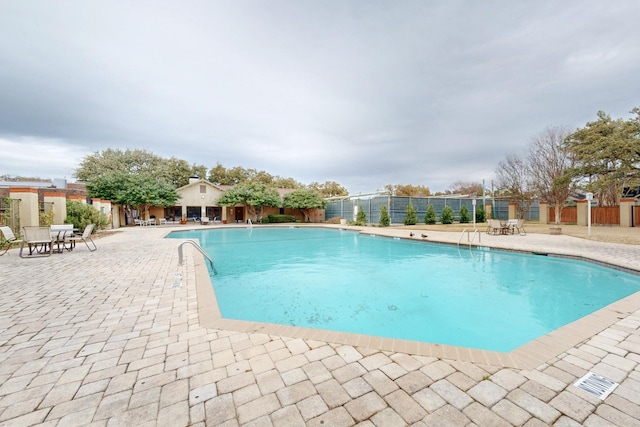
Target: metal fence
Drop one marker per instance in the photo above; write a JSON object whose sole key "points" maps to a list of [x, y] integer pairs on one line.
{"points": [[10, 214], [397, 207]]}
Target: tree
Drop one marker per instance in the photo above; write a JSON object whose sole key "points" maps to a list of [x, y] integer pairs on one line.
{"points": [[361, 217], [464, 215], [280, 182], [447, 215], [548, 160], [129, 162], [514, 182], [411, 216], [385, 221], [430, 215], [467, 188], [408, 190], [139, 191], [303, 200], [607, 155], [254, 195], [328, 189]]}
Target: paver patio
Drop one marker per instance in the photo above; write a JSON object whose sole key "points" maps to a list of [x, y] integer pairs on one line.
{"points": [[119, 337]]}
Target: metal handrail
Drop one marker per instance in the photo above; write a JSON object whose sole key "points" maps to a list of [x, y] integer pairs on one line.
{"points": [[197, 246], [470, 238]]}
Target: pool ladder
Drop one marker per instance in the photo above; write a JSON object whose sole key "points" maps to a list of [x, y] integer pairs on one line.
{"points": [[197, 246], [470, 237]]}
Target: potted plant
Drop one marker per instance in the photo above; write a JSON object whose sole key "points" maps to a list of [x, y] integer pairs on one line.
{"points": [[184, 219]]}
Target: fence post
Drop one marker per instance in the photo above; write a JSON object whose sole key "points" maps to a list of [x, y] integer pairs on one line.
{"points": [[513, 210], [29, 208], [544, 213], [626, 218], [582, 206]]}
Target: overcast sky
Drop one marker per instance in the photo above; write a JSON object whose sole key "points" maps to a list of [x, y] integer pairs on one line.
{"points": [[364, 93]]}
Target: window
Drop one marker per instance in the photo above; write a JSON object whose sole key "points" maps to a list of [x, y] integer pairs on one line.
{"points": [[203, 188]]}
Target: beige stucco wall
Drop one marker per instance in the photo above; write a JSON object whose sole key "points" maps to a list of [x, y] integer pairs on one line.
{"points": [[58, 201], [29, 209], [192, 195]]}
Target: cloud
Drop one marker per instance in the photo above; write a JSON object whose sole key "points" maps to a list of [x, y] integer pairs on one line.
{"points": [[362, 93]]}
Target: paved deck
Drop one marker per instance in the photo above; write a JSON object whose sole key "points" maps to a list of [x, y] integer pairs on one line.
{"points": [[124, 337]]}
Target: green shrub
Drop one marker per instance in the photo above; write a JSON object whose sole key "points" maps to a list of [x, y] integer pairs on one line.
{"points": [[361, 217], [385, 221], [481, 215], [430, 216], [80, 215], [411, 216], [279, 218], [465, 218], [446, 217]]}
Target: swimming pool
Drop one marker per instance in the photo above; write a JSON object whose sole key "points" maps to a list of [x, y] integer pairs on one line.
{"points": [[341, 280]]}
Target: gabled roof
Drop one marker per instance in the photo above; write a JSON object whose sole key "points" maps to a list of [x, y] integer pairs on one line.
{"points": [[199, 182]]}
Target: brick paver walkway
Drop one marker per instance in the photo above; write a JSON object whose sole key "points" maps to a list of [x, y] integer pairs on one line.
{"points": [[113, 338]]}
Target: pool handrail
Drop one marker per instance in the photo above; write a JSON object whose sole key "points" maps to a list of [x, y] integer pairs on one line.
{"points": [[470, 238], [199, 248]]}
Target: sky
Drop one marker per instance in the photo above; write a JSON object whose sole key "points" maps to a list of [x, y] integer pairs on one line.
{"points": [[363, 93]]}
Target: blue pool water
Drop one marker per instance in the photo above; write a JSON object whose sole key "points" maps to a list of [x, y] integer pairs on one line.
{"points": [[343, 281]]}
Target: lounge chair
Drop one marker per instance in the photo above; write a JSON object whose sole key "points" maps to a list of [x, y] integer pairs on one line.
{"points": [[151, 221], [85, 237], [163, 221], [39, 241], [9, 239]]}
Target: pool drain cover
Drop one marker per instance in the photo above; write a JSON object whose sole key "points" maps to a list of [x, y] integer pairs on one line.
{"points": [[596, 385]]}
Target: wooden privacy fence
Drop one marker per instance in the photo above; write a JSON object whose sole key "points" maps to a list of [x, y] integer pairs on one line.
{"points": [[605, 215], [569, 215], [601, 215]]}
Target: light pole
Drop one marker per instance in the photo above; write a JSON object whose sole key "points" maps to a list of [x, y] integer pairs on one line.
{"points": [[473, 203], [589, 199]]}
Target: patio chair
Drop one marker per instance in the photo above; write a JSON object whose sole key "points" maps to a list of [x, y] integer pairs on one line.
{"points": [[494, 226], [204, 220], [9, 239], [519, 227], [39, 241], [61, 234], [85, 237]]}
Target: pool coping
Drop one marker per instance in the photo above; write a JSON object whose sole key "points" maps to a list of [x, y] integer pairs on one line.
{"points": [[527, 356]]}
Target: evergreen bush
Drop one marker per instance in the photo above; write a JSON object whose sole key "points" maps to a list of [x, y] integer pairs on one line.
{"points": [[81, 215], [481, 214], [411, 217], [465, 217], [430, 216], [446, 217], [385, 221], [361, 217]]}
